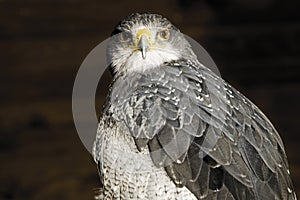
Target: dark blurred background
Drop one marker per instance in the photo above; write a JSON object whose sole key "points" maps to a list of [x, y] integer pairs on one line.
{"points": [[255, 44]]}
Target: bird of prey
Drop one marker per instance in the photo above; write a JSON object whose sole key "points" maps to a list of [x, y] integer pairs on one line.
{"points": [[172, 129]]}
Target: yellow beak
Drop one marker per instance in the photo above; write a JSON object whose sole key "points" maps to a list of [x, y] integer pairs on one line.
{"points": [[143, 37]]}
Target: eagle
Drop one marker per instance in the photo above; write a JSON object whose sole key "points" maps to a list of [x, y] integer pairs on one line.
{"points": [[173, 129]]}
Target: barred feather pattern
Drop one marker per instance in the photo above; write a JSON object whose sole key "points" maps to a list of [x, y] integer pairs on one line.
{"points": [[127, 173], [183, 130]]}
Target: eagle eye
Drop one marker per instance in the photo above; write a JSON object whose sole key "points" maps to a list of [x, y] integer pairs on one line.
{"points": [[164, 34], [125, 36]]}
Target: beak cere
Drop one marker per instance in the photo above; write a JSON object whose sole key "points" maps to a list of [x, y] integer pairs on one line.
{"points": [[143, 42]]}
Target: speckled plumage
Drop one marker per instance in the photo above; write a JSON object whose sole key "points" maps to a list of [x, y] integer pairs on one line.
{"points": [[178, 131], [127, 173]]}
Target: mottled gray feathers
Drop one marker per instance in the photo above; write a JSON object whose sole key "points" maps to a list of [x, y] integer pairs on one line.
{"points": [[144, 19], [207, 136]]}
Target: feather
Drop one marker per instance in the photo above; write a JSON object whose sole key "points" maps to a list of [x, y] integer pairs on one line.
{"points": [[206, 135]]}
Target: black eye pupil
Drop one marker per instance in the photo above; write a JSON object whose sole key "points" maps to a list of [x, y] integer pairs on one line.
{"points": [[164, 34]]}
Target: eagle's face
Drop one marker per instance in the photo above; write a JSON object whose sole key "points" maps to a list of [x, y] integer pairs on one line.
{"points": [[144, 41]]}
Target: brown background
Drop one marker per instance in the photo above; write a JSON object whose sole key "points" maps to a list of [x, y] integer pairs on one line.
{"points": [[255, 44]]}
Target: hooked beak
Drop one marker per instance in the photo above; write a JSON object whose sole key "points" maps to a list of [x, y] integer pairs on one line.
{"points": [[143, 41]]}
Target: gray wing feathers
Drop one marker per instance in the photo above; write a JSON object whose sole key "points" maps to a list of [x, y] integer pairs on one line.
{"points": [[204, 131]]}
